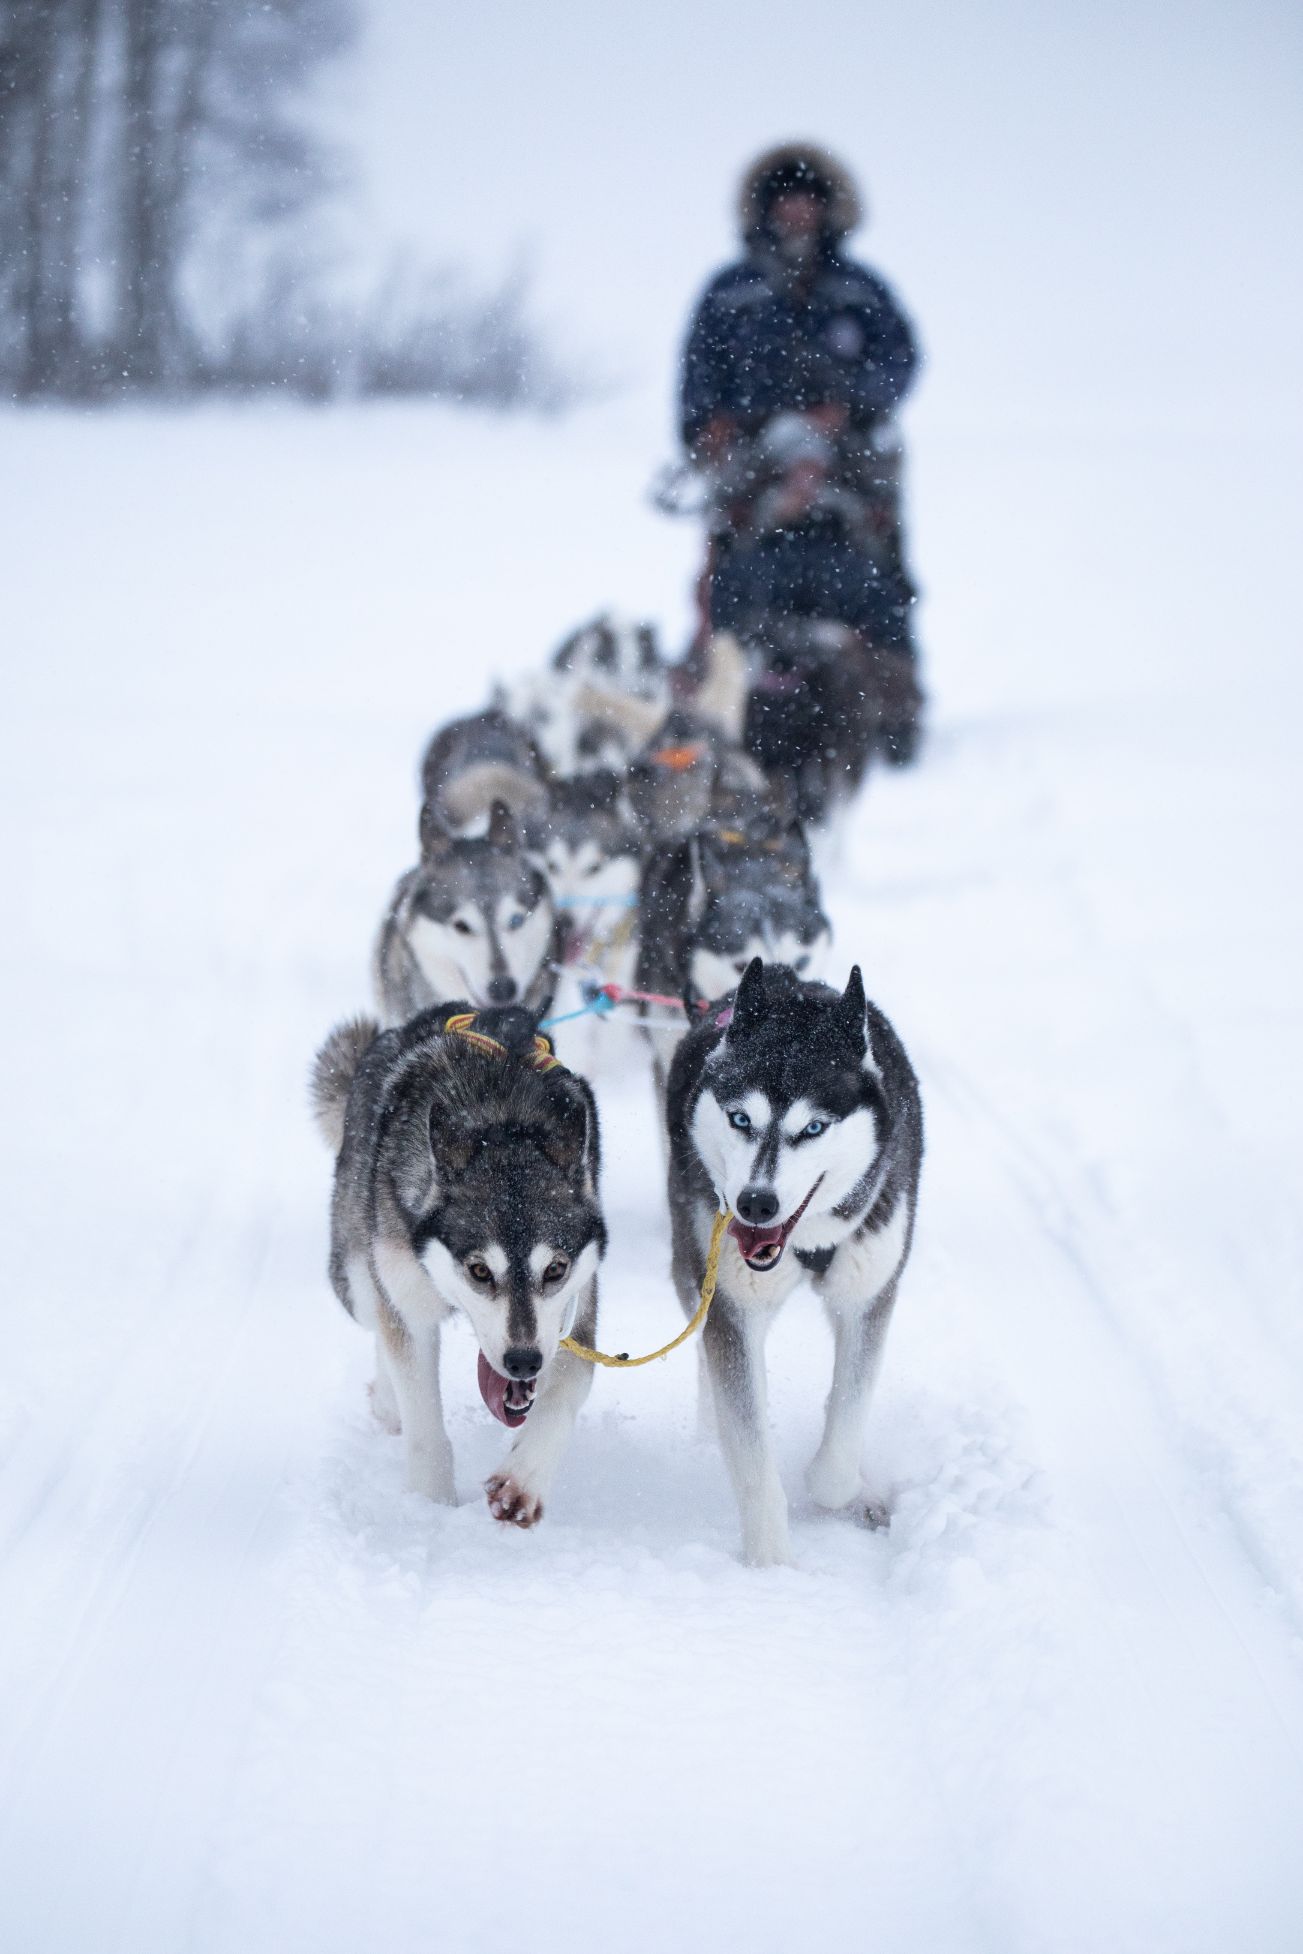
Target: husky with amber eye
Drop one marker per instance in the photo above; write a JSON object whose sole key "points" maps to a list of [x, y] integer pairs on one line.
{"points": [[796, 1111], [466, 1165], [474, 919]]}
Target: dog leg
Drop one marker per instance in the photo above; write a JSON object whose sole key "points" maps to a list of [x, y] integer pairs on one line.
{"points": [[834, 1478], [383, 1401], [734, 1345], [706, 1423], [517, 1492], [414, 1370]]}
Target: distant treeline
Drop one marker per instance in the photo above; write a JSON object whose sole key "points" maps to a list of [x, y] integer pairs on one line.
{"points": [[161, 198]]}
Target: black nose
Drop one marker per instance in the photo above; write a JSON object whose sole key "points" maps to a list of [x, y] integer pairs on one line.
{"points": [[521, 1361], [757, 1206], [501, 990]]}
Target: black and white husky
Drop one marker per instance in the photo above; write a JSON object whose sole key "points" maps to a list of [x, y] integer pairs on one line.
{"points": [[474, 919], [605, 690], [795, 1109], [465, 1178]]}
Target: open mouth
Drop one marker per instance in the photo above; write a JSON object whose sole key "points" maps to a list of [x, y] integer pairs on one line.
{"points": [[762, 1248], [508, 1398]]}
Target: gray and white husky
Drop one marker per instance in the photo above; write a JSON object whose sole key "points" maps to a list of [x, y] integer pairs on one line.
{"points": [[474, 919], [709, 905], [584, 839], [795, 1109], [604, 691], [465, 1179]]}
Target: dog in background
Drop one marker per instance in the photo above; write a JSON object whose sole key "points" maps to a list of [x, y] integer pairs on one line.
{"points": [[606, 688], [475, 918]]}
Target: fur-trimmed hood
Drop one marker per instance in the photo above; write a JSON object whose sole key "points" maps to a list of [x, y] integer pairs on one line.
{"points": [[845, 209]]}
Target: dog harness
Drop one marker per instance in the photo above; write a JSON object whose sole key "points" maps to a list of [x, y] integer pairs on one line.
{"points": [[542, 1058]]}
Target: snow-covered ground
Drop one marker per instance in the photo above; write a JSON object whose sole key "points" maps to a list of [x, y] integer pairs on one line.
{"points": [[255, 1695]]}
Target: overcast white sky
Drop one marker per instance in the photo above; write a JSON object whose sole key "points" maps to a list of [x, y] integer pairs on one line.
{"points": [[1081, 205]]}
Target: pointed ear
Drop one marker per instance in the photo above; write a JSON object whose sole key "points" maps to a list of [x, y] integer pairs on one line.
{"points": [[435, 838], [748, 1004], [504, 835], [566, 1142], [850, 1012]]}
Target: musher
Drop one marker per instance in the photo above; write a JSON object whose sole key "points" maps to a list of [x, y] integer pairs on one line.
{"points": [[795, 362]]}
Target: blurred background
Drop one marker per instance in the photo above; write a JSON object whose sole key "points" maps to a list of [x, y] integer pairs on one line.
{"points": [[336, 197], [338, 349]]}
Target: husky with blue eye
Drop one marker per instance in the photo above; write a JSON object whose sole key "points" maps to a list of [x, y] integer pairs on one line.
{"points": [[474, 919], [796, 1110]]}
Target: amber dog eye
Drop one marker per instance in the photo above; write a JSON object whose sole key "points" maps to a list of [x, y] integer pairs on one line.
{"points": [[556, 1269], [479, 1271]]}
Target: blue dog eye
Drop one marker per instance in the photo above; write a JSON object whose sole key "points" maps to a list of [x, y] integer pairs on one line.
{"points": [[740, 1120], [814, 1129]]}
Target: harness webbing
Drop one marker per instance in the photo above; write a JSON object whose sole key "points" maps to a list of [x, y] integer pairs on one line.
{"points": [[542, 1059]]}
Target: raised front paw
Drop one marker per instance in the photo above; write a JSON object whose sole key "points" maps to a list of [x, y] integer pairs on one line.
{"points": [[511, 1502]]}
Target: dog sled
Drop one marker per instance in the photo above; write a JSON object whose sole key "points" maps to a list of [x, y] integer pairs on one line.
{"points": [[805, 566]]}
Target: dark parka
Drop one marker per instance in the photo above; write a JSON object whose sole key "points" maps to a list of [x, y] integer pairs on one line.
{"points": [[760, 344]]}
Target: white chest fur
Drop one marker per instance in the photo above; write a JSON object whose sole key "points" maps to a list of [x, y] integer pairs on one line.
{"points": [[864, 1265]]}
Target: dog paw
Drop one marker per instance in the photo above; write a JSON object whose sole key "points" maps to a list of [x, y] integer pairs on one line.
{"points": [[873, 1514], [511, 1502]]}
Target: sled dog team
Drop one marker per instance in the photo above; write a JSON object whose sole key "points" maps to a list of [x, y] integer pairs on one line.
{"points": [[600, 836]]}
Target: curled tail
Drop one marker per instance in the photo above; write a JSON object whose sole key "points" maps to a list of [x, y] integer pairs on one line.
{"points": [[332, 1074]]}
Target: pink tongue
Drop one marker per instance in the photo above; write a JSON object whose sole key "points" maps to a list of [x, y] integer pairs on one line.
{"points": [[750, 1239], [493, 1390]]}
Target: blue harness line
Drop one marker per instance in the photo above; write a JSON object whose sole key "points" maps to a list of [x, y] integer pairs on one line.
{"points": [[595, 1006]]}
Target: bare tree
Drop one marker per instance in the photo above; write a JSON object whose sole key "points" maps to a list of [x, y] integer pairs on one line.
{"points": [[158, 170], [46, 72]]}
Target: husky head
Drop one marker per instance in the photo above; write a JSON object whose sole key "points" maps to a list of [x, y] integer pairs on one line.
{"points": [[584, 840], [512, 1231], [752, 920], [790, 1112], [480, 921], [616, 654]]}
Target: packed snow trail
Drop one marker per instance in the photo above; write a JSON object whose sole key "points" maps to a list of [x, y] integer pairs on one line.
{"points": [[257, 1696]]}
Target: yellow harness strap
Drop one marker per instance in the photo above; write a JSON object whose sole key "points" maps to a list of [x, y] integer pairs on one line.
{"points": [[462, 1023], [623, 1361]]}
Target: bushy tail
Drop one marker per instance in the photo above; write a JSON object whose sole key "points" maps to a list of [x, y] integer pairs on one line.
{"points": [[467, 799], [332, 1074]]}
